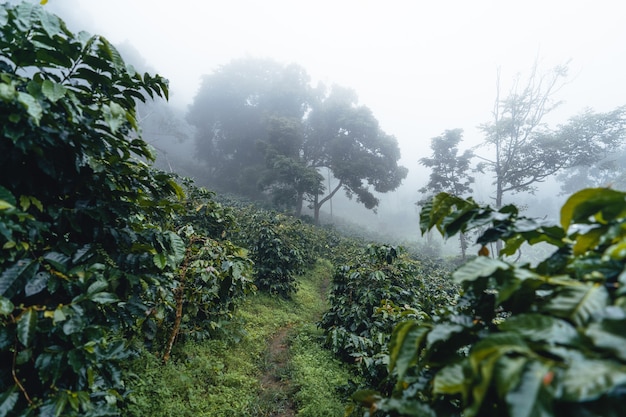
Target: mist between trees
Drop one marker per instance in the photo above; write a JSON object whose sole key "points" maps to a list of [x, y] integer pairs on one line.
{"points": [[260, 129]]}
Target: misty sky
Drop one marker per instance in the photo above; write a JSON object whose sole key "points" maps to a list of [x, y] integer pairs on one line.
{"points": [[422, 67]]}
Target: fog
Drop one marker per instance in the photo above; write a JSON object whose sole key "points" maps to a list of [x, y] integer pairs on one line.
{"points": [[421, 67]]}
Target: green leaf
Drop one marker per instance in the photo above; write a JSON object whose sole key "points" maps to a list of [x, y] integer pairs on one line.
{"points": [[609, 335], [103, 298], [26, 324], [508, 372], [8, 399], [58, 260], [160, 260], [7, 197], [12, 277], [4, 16], [441, 333], [588, 240], [479, 267], [178, 247], [114, 115], [407, 408], [404, 348], [588, 379], [60, 403], [51, 24], [451, 380], [540, 328], [6, 306], [530, 398], [37, 284], [53, 91], [74, 325], [577, 302], [97, 286], [579, 207], [32, 106], [483, 360], [7, 92]]}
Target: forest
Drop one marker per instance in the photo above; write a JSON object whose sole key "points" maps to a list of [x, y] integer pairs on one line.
{"points": [[137, 283]]}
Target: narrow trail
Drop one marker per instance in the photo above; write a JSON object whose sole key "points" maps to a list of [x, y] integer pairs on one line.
{"points": [[276, 387]]}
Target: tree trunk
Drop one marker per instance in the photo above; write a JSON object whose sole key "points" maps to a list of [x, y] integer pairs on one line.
{"points": [[317, 204], [299, 204], [463, 243], [316, 210], [499, 194]]}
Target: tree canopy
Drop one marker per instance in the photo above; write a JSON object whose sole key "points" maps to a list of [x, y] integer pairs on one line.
{"points": [[525, 151], [449, 170], [262, 129]]}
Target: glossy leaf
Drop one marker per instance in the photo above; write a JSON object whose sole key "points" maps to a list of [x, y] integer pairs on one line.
{"points": [[16, 275], [452, 380], [541, 328], [37, 284], [589, 379], [6, 306], [406, 341], [588, 202], [529, 398], [53, 91], [8, 399], [479, 267], [26, 324], [104, 298], [577, 302], [610, 335]]}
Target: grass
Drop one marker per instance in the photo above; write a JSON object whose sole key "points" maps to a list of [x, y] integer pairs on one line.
{"points": [[218, 379]]}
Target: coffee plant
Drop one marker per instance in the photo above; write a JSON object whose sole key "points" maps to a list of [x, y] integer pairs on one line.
{"points": [[523, 340], [95, 243], [368, 297]]}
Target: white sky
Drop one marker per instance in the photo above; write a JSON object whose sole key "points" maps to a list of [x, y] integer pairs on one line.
{"points": [[421, 66]]}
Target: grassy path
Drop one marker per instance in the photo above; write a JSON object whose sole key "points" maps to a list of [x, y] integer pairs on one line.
{"points": [[277, 369]]}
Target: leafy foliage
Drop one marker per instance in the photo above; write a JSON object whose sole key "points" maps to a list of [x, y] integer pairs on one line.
{"points": [[449, 171], [368, 297], [523, 340], [261, 128], [90, 256], [278, 249]]}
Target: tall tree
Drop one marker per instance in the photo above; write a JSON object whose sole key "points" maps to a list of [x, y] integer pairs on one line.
{"points": [[525, 151], [288, 178], [346, 138], [262, 127], [449, 170], [231, 114], [608, 172], [601, 161]]}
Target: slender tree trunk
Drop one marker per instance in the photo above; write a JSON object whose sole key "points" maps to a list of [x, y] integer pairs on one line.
{"points": [[299, 204], [317, 204], [499, 194], [316, 210], [179, 297], [463, 243]]}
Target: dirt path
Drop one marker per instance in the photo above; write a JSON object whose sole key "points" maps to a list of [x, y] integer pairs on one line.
{"points": [[276, 387]]}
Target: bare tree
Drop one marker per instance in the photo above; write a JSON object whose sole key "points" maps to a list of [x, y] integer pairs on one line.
{"points": [[522, 144]]}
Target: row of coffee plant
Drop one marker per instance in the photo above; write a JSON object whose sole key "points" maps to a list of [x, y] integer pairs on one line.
{"points": [[377, 289], [101, 255]]}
